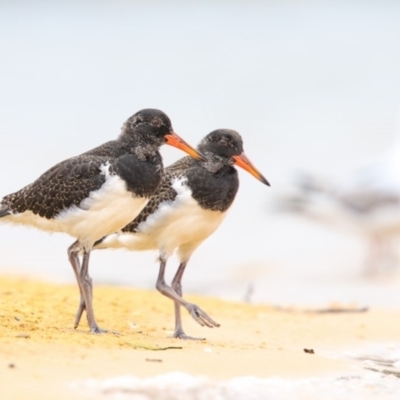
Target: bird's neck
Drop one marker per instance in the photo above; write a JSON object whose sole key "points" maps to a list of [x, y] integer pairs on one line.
{"points": [[137, 146], [215, 163]]}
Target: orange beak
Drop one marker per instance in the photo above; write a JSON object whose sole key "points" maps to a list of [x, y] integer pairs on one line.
{"points": [[243, 162], [176, 141]]}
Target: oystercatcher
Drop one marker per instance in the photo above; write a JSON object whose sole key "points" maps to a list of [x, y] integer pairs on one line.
{"points": [[188, 206], [98, 192]]}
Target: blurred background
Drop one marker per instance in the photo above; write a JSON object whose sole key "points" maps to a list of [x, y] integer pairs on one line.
{"points": [[312, 86]]}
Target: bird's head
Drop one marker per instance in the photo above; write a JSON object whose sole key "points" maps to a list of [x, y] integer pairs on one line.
{"points": [[227, 145], [153, 127]]}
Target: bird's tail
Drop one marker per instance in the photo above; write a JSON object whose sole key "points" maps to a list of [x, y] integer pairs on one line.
{"points": [[4, 211], [97, 243], [110, 242]]}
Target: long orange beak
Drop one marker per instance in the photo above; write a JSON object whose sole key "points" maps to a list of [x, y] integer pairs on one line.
{"points": [[176, 141], [243, 162]]}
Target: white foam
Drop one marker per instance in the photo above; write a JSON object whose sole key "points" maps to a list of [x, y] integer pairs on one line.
{"points": [[180, 386]]}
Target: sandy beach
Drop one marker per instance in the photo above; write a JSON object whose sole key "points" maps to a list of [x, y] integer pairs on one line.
{"points": [[44, 357]]}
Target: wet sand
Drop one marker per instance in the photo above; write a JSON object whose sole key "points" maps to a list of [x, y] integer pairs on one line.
{"points": [[41, 354]]}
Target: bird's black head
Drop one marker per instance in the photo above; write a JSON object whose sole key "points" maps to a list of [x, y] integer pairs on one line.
{"points": [[226, 146], [149, 124], [152, 127], [224, 143]]}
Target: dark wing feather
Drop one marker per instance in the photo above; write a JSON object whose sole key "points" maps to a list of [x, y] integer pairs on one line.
{"points": [[164, 193], [64, 185]]}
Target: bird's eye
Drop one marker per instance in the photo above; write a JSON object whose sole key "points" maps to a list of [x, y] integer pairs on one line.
{"points": [[156, 122], [223, 142]]}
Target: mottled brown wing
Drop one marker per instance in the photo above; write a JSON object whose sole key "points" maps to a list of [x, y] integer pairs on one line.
{"points": [[164, 193], [64, 185]]}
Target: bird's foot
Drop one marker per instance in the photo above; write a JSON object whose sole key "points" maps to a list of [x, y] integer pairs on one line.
{"points": [[96, 330], [200, 316], [179, 334]]}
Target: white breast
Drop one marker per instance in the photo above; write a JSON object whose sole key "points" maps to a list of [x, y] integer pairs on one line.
{"points": [[181, 223], [105, 211]]}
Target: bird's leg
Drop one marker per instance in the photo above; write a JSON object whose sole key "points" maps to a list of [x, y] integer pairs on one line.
{"points": [[87, 293], [79, 312], [196, 312], [73, 256], [177, 286]]}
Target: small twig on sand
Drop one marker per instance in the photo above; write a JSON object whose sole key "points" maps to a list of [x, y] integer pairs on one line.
{"points": [[137, 346], [341, 310], [333, 310]]}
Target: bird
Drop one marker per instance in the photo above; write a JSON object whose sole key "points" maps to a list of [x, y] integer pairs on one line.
{"points": [[98, 192], [189, 205], [366, 203]]}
